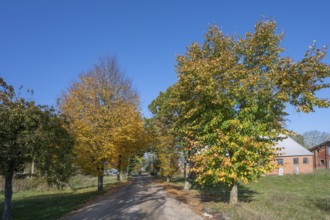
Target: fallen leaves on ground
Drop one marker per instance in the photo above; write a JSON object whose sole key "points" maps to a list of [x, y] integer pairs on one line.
{"points": [[189, 197]]}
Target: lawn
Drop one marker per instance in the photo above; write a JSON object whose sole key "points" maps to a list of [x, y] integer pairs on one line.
{"points": [[276, 197], [52, 203]]}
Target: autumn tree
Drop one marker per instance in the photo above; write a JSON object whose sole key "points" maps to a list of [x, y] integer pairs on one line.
{"points": [[233, 92], [131, 139], [169, 159], [103, 110], [139, 163], [166, 143], [31, 132], [151, 154]]}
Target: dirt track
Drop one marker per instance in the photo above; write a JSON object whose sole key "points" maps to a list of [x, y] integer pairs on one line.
{"points": [[140, 200]]}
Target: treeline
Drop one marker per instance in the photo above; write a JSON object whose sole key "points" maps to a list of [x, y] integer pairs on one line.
{"points": [[31, 133], [223, 115], [312, 138], [98, 125]]}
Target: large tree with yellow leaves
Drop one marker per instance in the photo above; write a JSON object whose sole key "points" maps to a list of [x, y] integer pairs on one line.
{"points": [[104, 117], [233, 93]]}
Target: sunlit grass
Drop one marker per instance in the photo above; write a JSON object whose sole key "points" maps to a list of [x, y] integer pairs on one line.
{"points": [[53, 204], [281, 197]]}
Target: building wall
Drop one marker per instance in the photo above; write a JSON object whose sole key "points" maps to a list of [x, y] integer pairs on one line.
{"points": [[320, 155], [289, 167]]}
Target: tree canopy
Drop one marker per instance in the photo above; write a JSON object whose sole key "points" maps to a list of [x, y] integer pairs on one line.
{"points": [[232, 94], [313, 138], [165, 140], [104, 116], [30, 132]]}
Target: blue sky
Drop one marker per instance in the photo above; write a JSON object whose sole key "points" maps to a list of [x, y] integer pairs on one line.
{"points": [[44, 45]]}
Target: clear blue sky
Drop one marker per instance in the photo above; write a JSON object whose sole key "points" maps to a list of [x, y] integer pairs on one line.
{"points": [[44, 45]]}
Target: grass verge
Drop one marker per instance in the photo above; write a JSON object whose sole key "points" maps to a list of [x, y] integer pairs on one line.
{"points": [[53, 204], [271, 198]]}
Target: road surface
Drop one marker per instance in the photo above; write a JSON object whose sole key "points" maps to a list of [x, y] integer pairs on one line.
{"points": [[140, 200]]}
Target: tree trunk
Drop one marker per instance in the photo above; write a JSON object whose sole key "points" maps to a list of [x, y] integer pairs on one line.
{"points": [[122, 175], [168, 179], [127, 170], [187, 184], [119, 168], [233, 194], [7, 215], [32, 167], [184, 170], [100, 183]]}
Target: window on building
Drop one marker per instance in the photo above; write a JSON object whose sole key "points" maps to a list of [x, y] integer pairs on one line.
{"points": [[321, 162], [305, 160], [328, 151], [295, 160], [280, 161]]}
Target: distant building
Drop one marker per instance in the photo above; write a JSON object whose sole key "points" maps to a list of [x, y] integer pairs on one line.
{"points": [[293, 158], [322, 155]]}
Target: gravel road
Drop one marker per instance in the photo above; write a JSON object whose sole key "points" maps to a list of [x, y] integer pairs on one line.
{"points": [[140, 200]]}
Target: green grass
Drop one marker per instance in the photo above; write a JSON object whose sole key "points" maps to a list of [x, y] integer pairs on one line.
{"points": [[53, 204], [276, 197]]}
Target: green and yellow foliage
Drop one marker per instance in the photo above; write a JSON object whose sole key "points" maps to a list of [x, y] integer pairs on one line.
{"points": [[165, 141], [232, 94]]}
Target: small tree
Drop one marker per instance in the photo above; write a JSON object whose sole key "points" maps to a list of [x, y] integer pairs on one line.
{"points": [[31, 132], [169, 164], [165, 140]]}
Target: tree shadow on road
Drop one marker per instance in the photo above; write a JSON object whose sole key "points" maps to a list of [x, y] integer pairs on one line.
{"points": [[138, 200], [131, 209]]}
